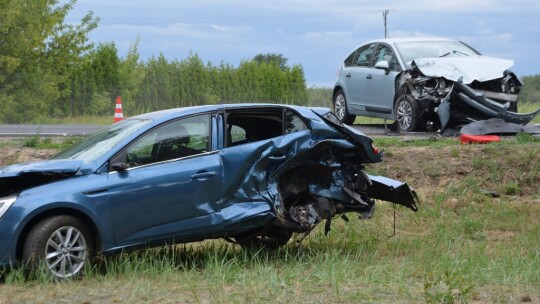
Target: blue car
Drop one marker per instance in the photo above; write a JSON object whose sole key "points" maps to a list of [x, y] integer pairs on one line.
{"points": [[252, 174]]}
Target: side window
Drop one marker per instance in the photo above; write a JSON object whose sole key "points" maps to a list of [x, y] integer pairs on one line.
{"points": [[180, 138], [384, 53], [238, 134], [349, 60], [363, 55], [245, 126], [293, 123]]}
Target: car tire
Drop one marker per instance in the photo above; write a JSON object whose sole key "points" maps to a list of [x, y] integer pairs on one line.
{"points": [[341, 110], [407, 113], [63, 243], [270, 239]]}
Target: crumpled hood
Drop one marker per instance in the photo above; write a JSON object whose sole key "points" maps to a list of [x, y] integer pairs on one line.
{"points": [[64, 166], [480, 68]]}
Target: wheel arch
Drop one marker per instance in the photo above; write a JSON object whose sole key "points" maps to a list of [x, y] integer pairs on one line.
{"points": [[400, 89], [336, 89], [55, 212]]}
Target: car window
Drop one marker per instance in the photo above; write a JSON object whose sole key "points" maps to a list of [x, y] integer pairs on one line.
{"points": [[293, 122], [363, 55], [429, 49], [385, 53], [180, 138], [245, 126]]}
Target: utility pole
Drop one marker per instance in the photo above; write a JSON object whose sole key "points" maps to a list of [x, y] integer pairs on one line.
{"points": [[384, 14]]}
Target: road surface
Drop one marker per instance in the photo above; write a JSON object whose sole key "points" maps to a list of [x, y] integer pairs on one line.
{"points": [[85, 130]]}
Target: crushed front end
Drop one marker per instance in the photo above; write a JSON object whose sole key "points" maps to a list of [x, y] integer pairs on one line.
{"points": [[450, 93]]}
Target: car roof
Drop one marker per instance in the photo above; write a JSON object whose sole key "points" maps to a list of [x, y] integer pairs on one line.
{"points": [[409, 39], [176, 112], [164, 115]]}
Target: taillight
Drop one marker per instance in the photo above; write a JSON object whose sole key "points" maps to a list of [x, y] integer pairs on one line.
{"points": [[375, 150]]}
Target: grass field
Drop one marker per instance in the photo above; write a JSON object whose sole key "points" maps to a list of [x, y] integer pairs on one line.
{"points": [[461, 246]]}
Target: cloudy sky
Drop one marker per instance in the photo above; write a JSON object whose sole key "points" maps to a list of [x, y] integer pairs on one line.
{"points": [[318, 34]]}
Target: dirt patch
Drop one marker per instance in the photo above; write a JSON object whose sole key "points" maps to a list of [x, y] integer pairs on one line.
{"points": [[11, 155], [500, 169], [499, 235]]}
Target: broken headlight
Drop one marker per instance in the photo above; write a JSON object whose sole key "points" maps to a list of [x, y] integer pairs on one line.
{"points": [[5, 203]]}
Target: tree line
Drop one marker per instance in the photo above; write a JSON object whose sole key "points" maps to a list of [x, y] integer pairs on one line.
{"points": [[158, 83], [50, 69]]}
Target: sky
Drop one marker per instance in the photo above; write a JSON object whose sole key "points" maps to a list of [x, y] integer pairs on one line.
{"points": [[315, 34]]}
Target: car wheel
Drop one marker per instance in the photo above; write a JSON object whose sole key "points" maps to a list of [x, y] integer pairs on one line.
{"points": [[271, 239], [341, 110], [407, 113], [63, 243]]}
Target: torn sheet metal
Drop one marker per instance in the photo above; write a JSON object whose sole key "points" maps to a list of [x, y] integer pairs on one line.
{"points": [[17, 177], [315, 177], [498, 126], [451, 93], [467, 69]]}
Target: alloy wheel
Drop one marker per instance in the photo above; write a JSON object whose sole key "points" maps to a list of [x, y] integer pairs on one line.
{"points": [[340, 106], [66, 252], [404, 115]]}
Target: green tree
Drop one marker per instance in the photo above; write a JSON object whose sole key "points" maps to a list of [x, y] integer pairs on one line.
{"points": [[271, 58], [38, 52], [530, 91], [131, 76]]}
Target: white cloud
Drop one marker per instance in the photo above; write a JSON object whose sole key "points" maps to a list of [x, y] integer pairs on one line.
{"points": [[316, 34]]}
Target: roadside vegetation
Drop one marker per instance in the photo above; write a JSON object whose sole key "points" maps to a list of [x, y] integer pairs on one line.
{"points": [[474, 239], [50, 71]]}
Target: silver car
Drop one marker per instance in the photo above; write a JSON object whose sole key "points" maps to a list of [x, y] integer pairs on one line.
{"points": [[426, 83]]}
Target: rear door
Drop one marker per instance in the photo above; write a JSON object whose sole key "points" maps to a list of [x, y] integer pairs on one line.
{"points": [[355, 77], [379, 90]]}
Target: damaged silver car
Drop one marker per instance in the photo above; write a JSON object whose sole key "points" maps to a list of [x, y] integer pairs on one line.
{"points": [[426, 84], [252, 174]]}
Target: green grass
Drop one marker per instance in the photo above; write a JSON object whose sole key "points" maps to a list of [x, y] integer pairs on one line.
{"points": [[61, 143], [461, 246], [530, 107], [78, 120]]}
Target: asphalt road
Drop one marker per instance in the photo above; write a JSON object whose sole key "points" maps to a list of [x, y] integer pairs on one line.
{"points": [[84, 130], [47, 130]]}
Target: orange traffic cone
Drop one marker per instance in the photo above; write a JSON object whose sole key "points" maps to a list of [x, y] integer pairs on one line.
{"points": [[118, 115]]}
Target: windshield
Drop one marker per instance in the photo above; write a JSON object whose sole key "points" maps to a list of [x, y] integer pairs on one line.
{"points": [[429, 49], [101, 142]]}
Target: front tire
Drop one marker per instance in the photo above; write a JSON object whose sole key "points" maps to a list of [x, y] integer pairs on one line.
{"points": [[407, 113], [341, 110], [63, 243]]}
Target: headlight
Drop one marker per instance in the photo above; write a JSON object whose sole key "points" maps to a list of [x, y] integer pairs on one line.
{"points": [[5, 203]]}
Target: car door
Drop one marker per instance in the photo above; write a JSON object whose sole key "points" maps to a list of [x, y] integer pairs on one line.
{"points": [[355, 77], [172, 186], [379, 90]]}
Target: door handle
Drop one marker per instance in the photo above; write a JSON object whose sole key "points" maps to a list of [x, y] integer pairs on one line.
{"points": [[348, 75], [203, 175], [369, 76]]}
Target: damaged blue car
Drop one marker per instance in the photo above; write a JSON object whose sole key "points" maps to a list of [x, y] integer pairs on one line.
{"points": [[252, 174]]}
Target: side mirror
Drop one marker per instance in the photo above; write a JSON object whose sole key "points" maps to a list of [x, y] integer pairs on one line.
{"points": [[120, 167], [383, 65]]}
